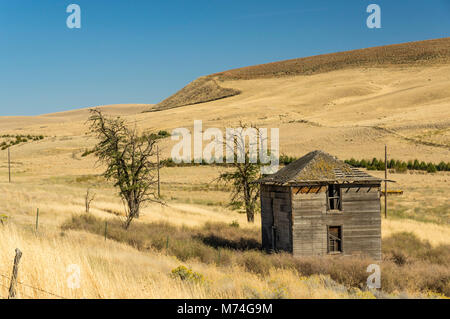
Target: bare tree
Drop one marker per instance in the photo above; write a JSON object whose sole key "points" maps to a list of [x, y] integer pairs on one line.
{"points": [[88, 198], [246, 170], [128, 159]]}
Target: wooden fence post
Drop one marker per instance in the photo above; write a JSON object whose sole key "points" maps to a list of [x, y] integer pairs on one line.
{"points": [[37, 220], [12, 287], [88, 198]]}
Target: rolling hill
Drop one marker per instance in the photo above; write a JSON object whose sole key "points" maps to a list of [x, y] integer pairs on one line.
{"points": [[208, 88]]}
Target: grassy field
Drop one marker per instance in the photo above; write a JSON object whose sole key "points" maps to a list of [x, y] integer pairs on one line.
{"points": [[348, 112], [67, 235]]}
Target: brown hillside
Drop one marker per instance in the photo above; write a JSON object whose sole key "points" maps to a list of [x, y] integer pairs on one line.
{"points": [[207, 88], [422, 52]]}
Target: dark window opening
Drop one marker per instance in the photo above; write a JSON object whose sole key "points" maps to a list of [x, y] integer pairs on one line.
{"points": [[334, 197], [334, 239]]}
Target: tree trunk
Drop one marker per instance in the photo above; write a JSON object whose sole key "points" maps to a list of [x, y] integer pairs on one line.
{"points": [[133, 211], [250, 215], [248, 204], [127, 222]]}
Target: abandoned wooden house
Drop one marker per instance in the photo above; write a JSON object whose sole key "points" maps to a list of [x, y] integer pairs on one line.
{"points": [[319, 205]]}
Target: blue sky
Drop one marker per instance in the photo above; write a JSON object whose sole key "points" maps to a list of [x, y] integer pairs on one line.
{"points": [[138, 51]]}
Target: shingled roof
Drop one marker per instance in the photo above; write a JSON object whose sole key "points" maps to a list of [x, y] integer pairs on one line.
{"points": [[316, 167]]}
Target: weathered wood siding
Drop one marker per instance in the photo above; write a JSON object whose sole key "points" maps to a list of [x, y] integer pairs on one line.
{"points": [[309, 232], [362, 225], [276, 213], [360, 220]]}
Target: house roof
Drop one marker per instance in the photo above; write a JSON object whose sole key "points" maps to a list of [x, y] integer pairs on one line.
{"points": [[316, 167]]}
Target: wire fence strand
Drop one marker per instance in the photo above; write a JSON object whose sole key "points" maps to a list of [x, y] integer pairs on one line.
{"points": [[35, 288]]}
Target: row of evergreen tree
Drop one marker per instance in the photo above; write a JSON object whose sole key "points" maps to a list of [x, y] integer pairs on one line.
{"points": [[400, 166], [373, 164], [377, 164]]}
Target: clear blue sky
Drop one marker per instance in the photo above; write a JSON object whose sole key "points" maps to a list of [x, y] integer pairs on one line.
{"points": [[142, 51]]}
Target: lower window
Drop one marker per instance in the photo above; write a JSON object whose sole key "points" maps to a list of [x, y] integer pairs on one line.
{"points": [[334, 239]]}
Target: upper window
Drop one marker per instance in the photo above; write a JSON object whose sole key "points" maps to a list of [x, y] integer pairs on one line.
{"points": [[334, 197]]}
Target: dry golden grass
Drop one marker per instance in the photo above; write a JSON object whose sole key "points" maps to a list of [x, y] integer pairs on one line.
{"points": [[113, 270], [436, 234]]}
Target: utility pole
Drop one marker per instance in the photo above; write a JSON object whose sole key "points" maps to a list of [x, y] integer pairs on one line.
{"points": [[9, 166], [385, 181], [159, 183]]}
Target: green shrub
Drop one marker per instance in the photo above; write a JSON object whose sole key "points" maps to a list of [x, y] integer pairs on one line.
{"points": [[3, 219], [187, 274], [163, 134]]}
